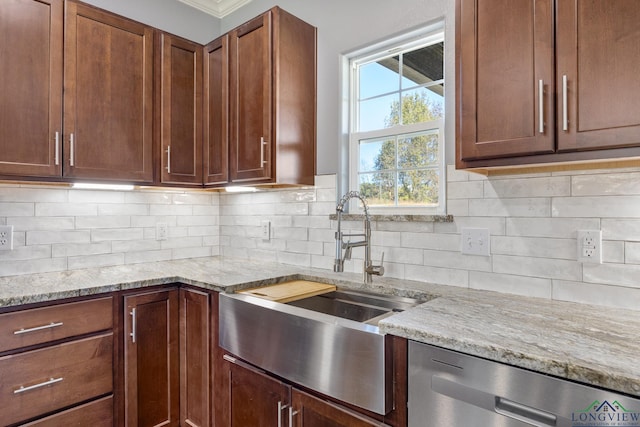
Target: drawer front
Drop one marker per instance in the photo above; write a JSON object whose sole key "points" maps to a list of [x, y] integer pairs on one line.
{"points": [[41, 325], [42, 381], [95, 414]]}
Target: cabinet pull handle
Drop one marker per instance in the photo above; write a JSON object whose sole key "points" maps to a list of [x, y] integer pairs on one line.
{"points": [[541, 105], [281, 408], [263, 144], [132, 334], [37, 328], [291, 414], [168, 159], [57, 148], [22, 389], [565, 118], [71, 150]]}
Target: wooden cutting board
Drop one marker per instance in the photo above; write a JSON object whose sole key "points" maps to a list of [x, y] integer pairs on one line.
{"points": [[289, 291]]}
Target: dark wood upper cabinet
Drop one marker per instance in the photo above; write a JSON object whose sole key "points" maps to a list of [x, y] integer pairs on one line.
{"points": [[31, 37], [179, 105], [151, 359], [272, 90], [598, 50], [546, 81], [108, 96], [216, 111]]}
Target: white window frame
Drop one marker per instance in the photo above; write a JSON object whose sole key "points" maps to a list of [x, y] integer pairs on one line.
{"points": [[413, 40]]}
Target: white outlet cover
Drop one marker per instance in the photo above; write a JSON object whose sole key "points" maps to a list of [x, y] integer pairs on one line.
{"points": [[162, 231], [589, 246], [6, 237], [475, 241], [265, 230]]}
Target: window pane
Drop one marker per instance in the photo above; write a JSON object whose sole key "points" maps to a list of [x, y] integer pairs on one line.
{"points": [[378, 78], [377, 154], [378, 188], [423, 66], [422, 105], [418, 187], [375, 113], [417, 150]]}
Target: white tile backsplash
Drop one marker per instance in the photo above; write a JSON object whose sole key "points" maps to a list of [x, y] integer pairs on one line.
{"points": [[532, 220]]}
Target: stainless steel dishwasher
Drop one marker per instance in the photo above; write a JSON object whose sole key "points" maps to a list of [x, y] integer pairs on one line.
{"points": [[451, 389]]}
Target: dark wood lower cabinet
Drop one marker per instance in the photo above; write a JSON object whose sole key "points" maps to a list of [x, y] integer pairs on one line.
{"points": [[151, 359], [254, 398]]}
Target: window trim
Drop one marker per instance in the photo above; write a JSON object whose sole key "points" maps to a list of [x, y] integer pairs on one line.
{"points": [[428, 35]]}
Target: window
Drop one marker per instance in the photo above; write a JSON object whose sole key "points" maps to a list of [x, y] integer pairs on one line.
{"points": [[396, 140]]}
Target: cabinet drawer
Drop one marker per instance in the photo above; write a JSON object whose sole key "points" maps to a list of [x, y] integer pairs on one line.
{"points": [[41, 381], [95, 414], [40, 325]]}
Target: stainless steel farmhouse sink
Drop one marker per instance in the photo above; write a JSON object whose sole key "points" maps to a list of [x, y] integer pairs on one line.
{"points": [[329, 343]]}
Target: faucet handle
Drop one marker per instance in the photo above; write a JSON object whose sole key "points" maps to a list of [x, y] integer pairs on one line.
{"points": [[377, 270]]}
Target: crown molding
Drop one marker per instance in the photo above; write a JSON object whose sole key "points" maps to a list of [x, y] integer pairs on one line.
{"points": [[217, 8]]}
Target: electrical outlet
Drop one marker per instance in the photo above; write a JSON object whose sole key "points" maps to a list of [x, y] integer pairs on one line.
{"points": [[265, 230], [475, 241], [590, 246], [162, 231], [6, 237]]}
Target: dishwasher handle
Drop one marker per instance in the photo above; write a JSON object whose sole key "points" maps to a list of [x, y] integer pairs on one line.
{"points": [[490, 402]]}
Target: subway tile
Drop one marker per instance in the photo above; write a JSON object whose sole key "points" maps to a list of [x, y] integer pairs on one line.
{"points": [[440, 275], [286, 233], [606, 185], [181, 242], [111, 234], [194, 252], [534, 247], [399, 227], [205, 230], [597, 294], [528, 187], [322, 261], [621, 229], [444, 242], [147, 197], [171, 210], [192, 199], [135, 245], [458, 208], [381, 238], [17, 209], [206, 210], [465, 190], [436, 258], [457, 175], [512, 284], [399, 255], [49, 237], [326, 195], [597, 207], [632, 255], [151, 221], [26, 253], [88, 196], [83, 222], [28, 223], [147, 256], [125, 209], [324, 235], [228, 251], [301, 260], [92, 261], [562, 228], [511, 207], [76, 249], [40, 195], [66, 209], [322, 208], [203, 220], [211, 241], [304, 247], [263, 255], [612, 251], [545, 268], [13, 267], [325, 181], [496, 226]]}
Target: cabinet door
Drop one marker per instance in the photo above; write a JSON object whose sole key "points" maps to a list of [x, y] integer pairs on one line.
{"points": [[151, 359], [180, 107], [194, 358], [108, 101], [253, 398], [598, 54], [250, 76], [30, 87], [309, 411], [216, 111], [505, 74]]}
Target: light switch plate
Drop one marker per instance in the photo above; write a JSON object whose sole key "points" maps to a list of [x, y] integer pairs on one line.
{"points": [[6, 237], [475, 241], [162, 231], [265, 230]]}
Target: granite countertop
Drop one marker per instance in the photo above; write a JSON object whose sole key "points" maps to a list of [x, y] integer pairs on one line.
{"points": [[589, 344]]}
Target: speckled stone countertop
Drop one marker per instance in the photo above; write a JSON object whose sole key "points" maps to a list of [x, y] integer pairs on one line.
{"points": [[593, 345]]}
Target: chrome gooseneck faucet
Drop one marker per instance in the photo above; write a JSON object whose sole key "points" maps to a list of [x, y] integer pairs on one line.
{"points": [[369, 269]]}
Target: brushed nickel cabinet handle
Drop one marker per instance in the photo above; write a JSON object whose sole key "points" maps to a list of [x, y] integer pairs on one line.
{"points": [[22, 389], [37, 328], [541, 105], [168, 159], [263, 144], [281, 408], [57, 153], [132, 334], [291, 414], [71, 150], [565, 114]]}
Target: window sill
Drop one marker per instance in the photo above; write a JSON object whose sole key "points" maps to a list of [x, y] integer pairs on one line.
{"points": [[395, 218]]}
